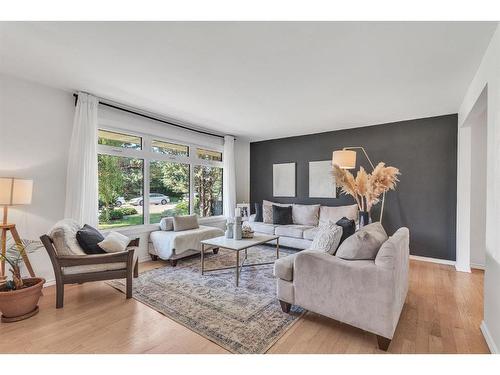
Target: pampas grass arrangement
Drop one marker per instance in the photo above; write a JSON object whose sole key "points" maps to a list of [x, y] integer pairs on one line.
{"points": [[366, 188]]}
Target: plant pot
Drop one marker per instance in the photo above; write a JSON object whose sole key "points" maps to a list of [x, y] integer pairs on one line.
{"points": [[364, 218], [21, 304]]}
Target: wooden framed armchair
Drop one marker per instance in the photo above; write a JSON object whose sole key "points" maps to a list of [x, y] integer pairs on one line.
{"points": [[81, 268]]}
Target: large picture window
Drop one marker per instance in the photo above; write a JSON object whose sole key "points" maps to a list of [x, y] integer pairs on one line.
{"points": [[208, 191], [121, 180], [181, 179], [169, 190]]}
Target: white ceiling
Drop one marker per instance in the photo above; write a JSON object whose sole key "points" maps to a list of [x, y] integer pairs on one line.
{"points": [[258, 80]]}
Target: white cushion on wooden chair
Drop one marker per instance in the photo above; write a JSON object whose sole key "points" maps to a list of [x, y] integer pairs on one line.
{"points": [[94, 268]]}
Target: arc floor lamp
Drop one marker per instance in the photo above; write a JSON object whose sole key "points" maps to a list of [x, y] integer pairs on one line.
{"points": [[346, 159]]}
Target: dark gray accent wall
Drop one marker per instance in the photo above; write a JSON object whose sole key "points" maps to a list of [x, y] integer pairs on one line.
{"points": [[425, 151]]}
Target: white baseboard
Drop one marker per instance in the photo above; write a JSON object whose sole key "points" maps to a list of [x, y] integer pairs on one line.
{"points": [[433, 260], [489, 340], [50, 282], [478, 266]]}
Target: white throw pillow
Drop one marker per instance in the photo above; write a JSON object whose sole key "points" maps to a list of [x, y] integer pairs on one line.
{"points": [[114, 242], [334, 214], [327, 238], [305, 214]]}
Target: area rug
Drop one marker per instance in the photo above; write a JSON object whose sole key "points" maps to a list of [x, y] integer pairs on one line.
{"points": [[245, 319]]}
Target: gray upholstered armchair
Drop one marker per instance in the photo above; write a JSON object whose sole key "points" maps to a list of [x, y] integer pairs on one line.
{"points": [[368, 294], [72, 266]]}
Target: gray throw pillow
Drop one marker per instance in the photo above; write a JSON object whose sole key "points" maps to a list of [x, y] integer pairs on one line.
{"points": [[327, 238], [167, 223], [185, 222], [364, 244]]}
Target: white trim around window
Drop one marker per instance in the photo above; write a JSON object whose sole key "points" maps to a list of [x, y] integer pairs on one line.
{"points": [[147, 155]]}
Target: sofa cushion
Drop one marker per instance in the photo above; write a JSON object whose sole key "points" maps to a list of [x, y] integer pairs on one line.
{"points": [[88, 238], [282, 215], [327, 239], [63, 234], [263, 227], [305, 214], [310, 234], [294, 231], [334, 214], [167, 223], [364, 244], [267, 210], [185, 222], [283, 267]]}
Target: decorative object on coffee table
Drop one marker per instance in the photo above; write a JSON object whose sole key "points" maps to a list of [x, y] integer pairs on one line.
{"points": [[366, 188], [247, 231], [237, 246], [13, 192]]}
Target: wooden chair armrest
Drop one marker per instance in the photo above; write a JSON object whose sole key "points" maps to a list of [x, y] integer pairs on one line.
{"points": [[83, 260], [134, 243]]}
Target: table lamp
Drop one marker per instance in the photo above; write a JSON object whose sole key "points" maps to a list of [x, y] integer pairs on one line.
{"points": [[14, 192]]}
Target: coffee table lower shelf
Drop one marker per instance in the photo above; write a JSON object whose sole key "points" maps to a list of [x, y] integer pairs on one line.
{"points": [[237, 246]]}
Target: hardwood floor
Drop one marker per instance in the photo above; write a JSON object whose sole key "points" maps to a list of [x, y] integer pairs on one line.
{"points": [[442, 314]]}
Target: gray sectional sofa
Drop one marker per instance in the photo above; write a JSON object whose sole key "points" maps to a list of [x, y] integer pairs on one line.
{"points": [[306, 218]]}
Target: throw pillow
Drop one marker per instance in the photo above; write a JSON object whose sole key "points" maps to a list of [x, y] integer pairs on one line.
{"points": [[305, 214], [282, 215], [267, 210], [114, 242], [334, 214], [364, 244], [167, 223], [258, 213], [327, 238], [348, 228], [185, 222], [88, 238]]}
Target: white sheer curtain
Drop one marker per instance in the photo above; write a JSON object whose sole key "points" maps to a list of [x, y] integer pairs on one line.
{"points": [[81, 181], [229, 177]]}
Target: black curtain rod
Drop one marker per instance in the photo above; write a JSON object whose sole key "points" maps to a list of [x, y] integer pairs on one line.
{"points": [[154, 118]]}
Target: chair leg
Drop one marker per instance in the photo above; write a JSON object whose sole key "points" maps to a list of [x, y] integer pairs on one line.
{"points": [[383, 343], [59, 295], [215, 250], [285, 306], [129, 284], [136, 269], [173, 262], [153, 257]]}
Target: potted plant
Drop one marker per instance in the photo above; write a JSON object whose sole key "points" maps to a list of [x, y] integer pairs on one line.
{"points": [[18, 296], [366, 188]]}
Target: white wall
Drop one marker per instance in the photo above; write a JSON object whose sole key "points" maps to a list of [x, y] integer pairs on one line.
{"points": [[488, 76], [478, 191], [35, 127]]}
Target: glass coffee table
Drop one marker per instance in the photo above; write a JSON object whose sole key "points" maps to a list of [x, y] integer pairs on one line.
{"points": [[237, 246]]}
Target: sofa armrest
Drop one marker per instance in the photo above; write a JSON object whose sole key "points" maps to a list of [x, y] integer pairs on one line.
{"points": [[251, 218], [356, 292]]}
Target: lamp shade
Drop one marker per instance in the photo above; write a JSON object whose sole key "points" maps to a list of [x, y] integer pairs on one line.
{"points": [[14, 191], [345, 159]]}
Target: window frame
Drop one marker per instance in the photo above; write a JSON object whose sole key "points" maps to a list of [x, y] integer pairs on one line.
{"points": [[147, 155]]}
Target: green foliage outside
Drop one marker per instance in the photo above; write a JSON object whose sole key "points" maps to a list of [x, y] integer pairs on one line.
{"points": [[123, 177]]}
